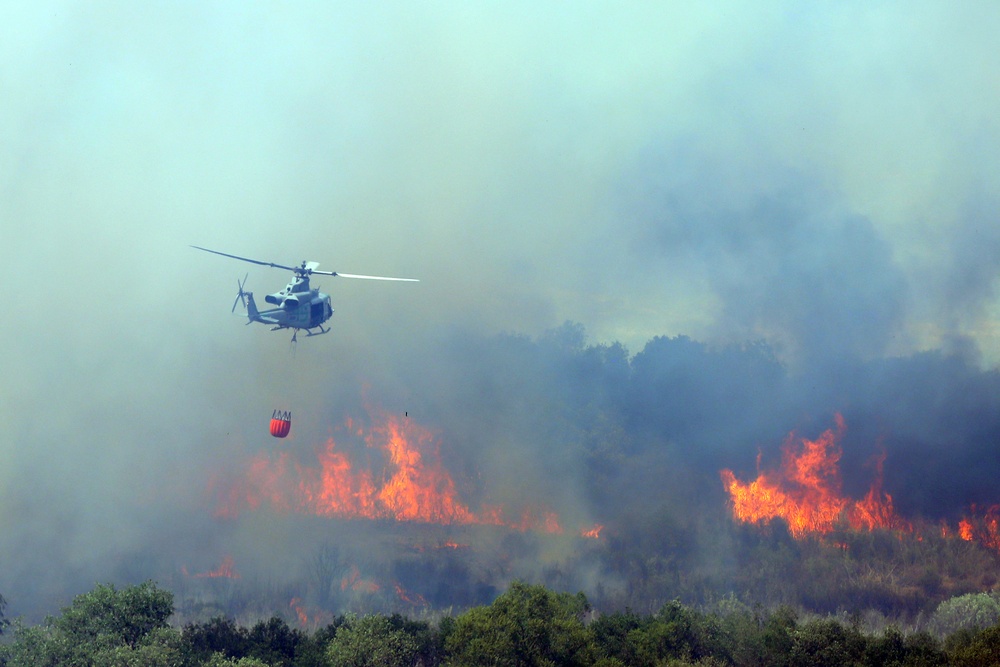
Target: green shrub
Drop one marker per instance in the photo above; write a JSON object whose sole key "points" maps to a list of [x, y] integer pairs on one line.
{"points": [[971, 611]]}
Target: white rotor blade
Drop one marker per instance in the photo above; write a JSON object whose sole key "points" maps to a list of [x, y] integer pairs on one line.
{"points": [[354, 275], [246, 259]]}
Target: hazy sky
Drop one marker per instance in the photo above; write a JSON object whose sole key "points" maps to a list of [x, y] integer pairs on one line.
{"points": [[822, 176], [523, 161]]}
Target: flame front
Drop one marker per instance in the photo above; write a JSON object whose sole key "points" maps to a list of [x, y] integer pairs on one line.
{"points": [[806, 491], [412, 484]]}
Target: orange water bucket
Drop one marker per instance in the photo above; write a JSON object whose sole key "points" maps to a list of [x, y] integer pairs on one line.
{"points": [[281, 423]]}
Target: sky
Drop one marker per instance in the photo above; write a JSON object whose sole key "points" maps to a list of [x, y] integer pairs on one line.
{"points": [[820, 177]]}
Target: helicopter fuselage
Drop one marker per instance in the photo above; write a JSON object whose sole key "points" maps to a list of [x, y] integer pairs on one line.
{"points": [[299, 307]]}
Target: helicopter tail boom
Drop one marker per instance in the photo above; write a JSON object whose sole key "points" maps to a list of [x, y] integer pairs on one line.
{"points": [[253, 315]]}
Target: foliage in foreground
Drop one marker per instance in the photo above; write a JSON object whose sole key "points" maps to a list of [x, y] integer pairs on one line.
{"points": [[525, 626]]}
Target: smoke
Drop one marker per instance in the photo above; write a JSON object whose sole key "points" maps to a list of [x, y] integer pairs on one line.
{"points": [[786, 261], [759, 217]]}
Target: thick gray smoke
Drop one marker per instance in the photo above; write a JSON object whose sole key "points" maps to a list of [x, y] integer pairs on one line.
{"points": [[786, 260], [758, 217]]}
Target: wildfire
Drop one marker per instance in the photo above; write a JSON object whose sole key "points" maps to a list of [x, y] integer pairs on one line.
{"points": [[406, 596], [411, 484], [309, 616], [806, 490], [226, 570], [353, 581], [982, 527], [300, 611]]}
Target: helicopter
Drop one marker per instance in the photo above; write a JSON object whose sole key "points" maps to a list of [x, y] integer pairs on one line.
{"points": [[298, 306]]}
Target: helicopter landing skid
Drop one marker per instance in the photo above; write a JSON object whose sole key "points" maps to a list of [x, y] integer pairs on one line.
{"points": [[310, 332]]}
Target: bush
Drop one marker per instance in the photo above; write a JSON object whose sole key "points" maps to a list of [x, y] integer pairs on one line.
{"points": [[372, 641], [219, 635], [103, 627], [527, 625], [966, 612], [976, 648], [826, 643]]}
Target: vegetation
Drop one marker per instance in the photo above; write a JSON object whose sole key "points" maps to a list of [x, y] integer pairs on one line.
{"points": [[103, 627], [673, 580], [526, 626]]}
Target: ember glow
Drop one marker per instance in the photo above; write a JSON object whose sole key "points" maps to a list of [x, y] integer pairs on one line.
{"points": [[806, 491], [403, 479]]}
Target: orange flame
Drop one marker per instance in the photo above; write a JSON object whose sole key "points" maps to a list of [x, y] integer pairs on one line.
{"points": [[592, 533], [226, 570], [412, 485], [415, 599], [417, 492], [982, 527], [806, 491], [353, 581], [309, 617], [300, 610]]}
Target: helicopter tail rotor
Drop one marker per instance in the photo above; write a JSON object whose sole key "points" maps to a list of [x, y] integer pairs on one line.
{"points": [[241, 294]]}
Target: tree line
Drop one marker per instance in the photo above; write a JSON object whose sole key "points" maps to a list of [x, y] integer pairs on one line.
{"points": [[527, 625]]}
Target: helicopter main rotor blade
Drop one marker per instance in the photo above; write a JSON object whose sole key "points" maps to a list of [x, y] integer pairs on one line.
{"points": [[354, 275], [247, 259], [306, 268]]}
